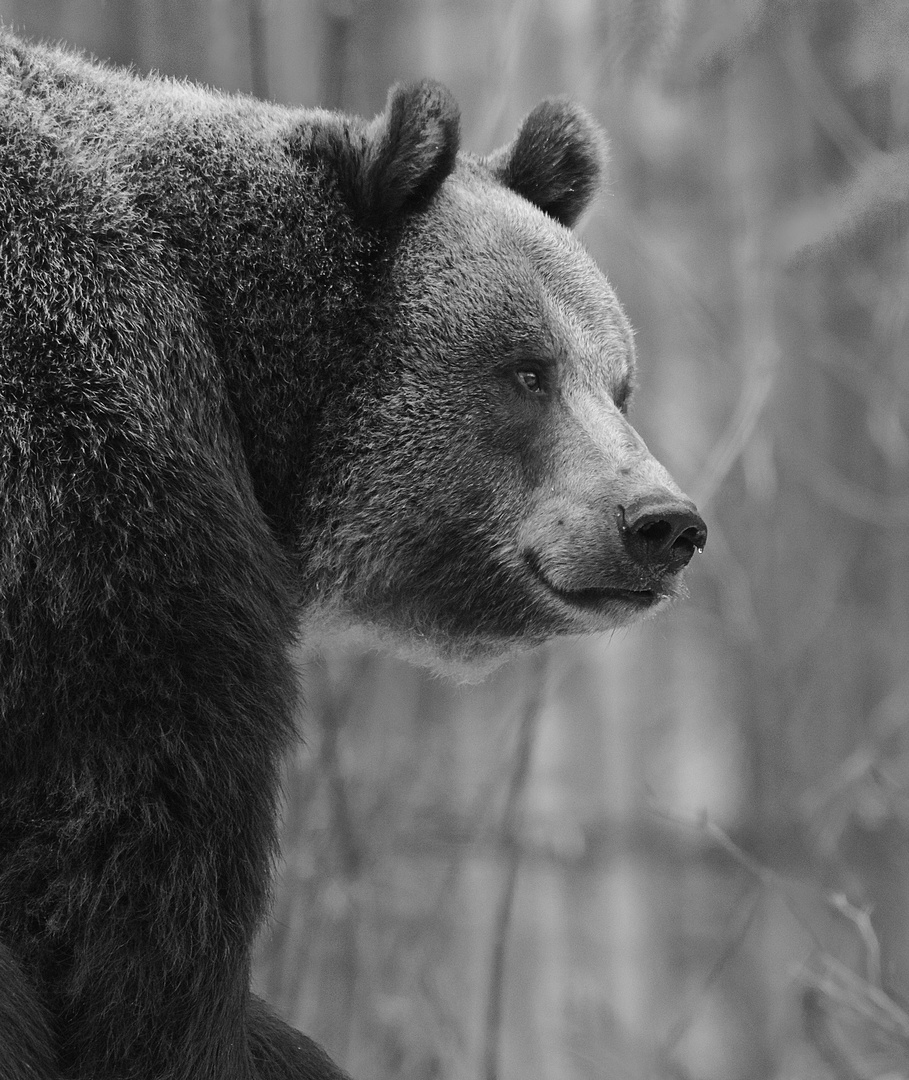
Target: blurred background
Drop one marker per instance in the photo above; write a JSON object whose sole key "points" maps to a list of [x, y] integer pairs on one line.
{"points": [[682, 852]]}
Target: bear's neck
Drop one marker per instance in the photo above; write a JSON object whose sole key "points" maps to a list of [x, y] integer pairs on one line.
{"points": [[284, 283]]}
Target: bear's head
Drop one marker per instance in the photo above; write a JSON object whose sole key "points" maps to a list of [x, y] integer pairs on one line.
{"points": [[495, 494]]}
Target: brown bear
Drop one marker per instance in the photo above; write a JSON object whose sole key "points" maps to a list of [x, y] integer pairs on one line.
{"points": [[264, 369]]}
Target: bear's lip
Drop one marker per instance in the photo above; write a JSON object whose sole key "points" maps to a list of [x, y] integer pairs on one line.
{"points": [[594, 598]]}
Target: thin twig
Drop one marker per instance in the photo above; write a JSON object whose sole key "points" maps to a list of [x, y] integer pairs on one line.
{"points": [[338, 16], [764, 875], [510, 46], [258, 61], [753, 399], [511, 830], [861, 920], [745, 910], [332, 716]]}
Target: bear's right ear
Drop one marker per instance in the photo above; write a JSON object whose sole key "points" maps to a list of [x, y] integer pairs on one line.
{"points": [[410, 148], [555, 161], [397, 161]]}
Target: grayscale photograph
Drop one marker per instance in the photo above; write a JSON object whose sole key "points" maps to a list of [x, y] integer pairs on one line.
{"points": [[454, 540]]}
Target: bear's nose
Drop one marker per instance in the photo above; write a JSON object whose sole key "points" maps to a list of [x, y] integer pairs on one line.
{"points": [[662, 532]]}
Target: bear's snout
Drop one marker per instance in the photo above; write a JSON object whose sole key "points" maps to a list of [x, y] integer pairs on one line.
{"points": [[600, 559], [660, 532]]}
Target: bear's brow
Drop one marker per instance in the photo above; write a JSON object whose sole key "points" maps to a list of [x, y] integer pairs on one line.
{"points": [[606, 355]]}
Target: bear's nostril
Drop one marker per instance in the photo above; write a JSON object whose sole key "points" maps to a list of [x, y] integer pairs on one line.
{"points": [[654, 534], [663, 534], [684, 545]]}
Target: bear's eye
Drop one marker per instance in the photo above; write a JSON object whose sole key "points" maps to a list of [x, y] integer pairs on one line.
{"points": [[531, 380]]}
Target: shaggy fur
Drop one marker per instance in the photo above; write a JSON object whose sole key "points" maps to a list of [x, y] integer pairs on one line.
{"points": [[261, 367], [26, 1044]]}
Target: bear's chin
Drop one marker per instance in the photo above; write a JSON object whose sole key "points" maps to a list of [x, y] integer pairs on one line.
{"points": [[463, 659]]}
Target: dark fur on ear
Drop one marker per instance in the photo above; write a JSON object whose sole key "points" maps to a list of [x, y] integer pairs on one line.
{"points": [[555, 161], [395, 162], [410, 148]]}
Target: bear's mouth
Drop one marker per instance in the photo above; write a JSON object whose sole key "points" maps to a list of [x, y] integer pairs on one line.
{"points": [[598, 598]]}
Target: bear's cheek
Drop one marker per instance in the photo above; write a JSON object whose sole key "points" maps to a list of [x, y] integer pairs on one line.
{"points": [[426, 539]]}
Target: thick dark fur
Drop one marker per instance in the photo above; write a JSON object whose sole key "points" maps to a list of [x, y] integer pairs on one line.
{"points": [[26, 1043], [244, 382]]}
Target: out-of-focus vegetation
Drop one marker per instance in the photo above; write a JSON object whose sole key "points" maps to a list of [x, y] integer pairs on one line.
{"points": [[682, 852]]}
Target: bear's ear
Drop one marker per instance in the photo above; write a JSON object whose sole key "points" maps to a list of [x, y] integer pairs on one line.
{"points": [[555, 161], [410, 148], [395, 162]]}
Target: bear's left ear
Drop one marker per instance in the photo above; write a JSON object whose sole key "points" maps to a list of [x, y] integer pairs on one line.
{"points": [[555, 161]]}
